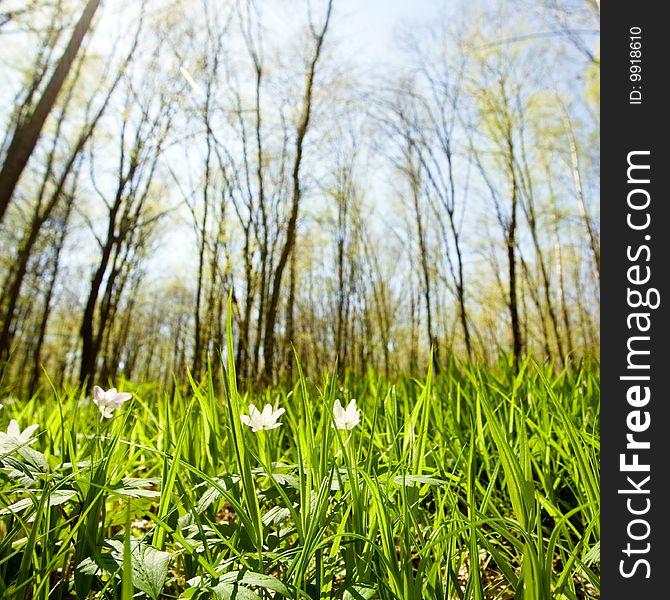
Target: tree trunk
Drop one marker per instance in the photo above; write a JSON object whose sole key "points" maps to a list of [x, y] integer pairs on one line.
{"points": [[89, 350], [25, 251], [290, 318], [46, 312], [268, 342], [511, 264], [423, 254], [25, 137]]}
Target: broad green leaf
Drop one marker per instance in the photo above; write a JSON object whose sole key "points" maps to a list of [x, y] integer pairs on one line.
{"points": [[408, 480], [227, 591], [249, 578], [359, 592], [150, 569], [56, 498]]}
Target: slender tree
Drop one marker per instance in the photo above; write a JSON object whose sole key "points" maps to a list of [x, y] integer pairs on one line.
{"points": [[28, 131], [301, 132]]}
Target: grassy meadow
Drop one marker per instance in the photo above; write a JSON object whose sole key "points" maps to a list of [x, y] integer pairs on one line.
{"points": [[475, 484]]}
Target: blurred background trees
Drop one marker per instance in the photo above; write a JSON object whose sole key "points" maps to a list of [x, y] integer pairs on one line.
{"points": [[158, 156]]}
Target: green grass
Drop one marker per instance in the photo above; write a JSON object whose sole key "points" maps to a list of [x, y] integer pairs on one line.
{"points": [[475, 484]]}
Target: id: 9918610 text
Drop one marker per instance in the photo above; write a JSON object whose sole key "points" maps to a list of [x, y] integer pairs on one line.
{"points": [[635, 65]]}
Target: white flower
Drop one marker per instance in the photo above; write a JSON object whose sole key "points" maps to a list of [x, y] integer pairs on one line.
{"points": [[346, 419], [141, 524], [108, 401], [15, 437], [258, 420]]}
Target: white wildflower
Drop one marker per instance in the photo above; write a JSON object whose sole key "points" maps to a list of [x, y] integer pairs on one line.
{"points": [[108, 401], [346, 418], [14, 437], [258, 420], [141, 524]]}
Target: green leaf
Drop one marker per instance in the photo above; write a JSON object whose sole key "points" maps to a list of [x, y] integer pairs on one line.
{"points": [[249, 578], [150, 569], [105, 562], [149, 566], [213, 494], [359, 592], [34, 458], [593, 555], [408, 480], [136, 488], [127, 587], [275, 515], [55, 498], [283, 479], [135, 493], [227, 591]]}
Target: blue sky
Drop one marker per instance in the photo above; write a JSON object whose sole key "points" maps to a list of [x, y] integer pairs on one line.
{"points": [[366, 28], [373, 23]]}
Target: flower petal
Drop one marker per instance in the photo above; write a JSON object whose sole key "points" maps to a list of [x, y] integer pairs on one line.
{"points": [[98, 394], [118, 399], [27, 433], [13, 429]]}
